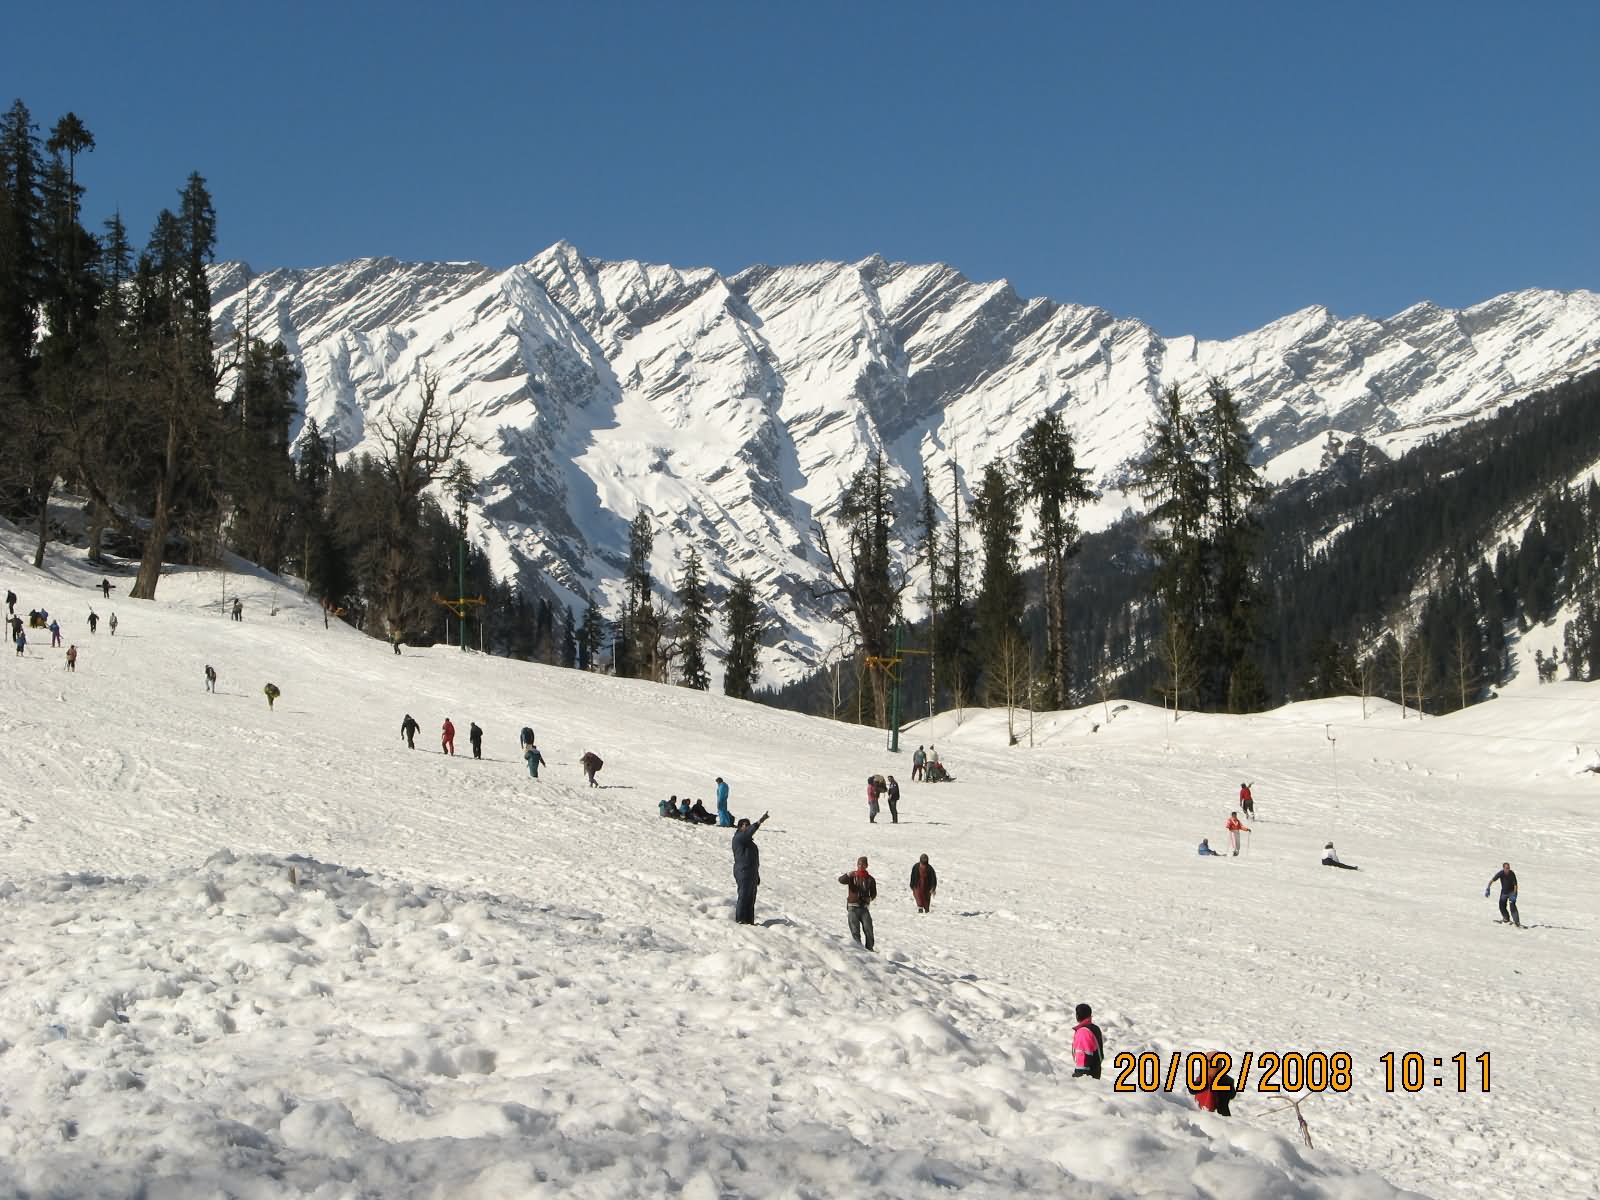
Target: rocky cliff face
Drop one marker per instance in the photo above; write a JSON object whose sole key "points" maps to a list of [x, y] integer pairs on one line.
{"points": [[735, 408]]}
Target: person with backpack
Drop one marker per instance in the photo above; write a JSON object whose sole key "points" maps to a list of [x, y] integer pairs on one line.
{"points": [[475, 737], [272, 693], [862, 890], [1088, 1044], [534, 759], [724, 817], [409, 730], [918, 761], [924, 882], [1247, 802], [1507, 878], [447, 737], [746, 869], [591, 763], [211, 678], [1233, 827]]}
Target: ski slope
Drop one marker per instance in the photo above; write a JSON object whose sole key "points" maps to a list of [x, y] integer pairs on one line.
{"points": [[273, 954]]}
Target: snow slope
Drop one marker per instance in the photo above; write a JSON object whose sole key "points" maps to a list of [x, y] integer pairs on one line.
{"points": [[269, 954]]}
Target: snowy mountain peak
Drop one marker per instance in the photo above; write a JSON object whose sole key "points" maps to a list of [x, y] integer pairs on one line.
{"points": [[736, 408]]}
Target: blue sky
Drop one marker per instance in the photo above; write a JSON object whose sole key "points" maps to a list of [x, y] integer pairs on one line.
{"points": [[1204, 167]]}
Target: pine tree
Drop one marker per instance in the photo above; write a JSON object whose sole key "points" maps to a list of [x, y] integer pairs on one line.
{"points": [[866, 583], [744, 624], [1236, 493], [591, 636], [631, 651], [1000, 592], [1053, 481], [694, 624], [569, 638]]}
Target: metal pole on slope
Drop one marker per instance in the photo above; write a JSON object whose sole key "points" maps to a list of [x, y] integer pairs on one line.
{"points": [[894, 696], [1333, 748]]}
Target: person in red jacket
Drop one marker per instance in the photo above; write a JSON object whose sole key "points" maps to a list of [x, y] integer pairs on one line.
{"points": [[447, 740], [1234, 826], [1247, 802]]}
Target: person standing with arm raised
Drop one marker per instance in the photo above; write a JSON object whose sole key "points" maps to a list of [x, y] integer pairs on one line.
{"points": [[746, 869]]}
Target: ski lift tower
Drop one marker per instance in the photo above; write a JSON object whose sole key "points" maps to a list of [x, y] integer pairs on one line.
{"points": [[891, 667]]}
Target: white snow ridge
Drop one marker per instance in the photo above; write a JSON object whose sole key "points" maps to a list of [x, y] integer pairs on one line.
{"points": [[258, 953]]}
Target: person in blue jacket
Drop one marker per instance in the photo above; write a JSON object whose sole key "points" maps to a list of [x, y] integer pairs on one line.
{"points": [[747, 869], [1206, 851], [724, 817]]}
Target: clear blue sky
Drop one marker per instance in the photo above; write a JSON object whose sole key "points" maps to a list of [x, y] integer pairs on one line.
{"points": [[1206, 167]]}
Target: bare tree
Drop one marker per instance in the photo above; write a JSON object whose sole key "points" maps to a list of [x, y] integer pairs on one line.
{"points": [[1008, 678], [1181, 663], [416, 449]]}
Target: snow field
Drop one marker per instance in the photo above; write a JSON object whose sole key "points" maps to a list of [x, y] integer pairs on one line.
{"points": [[476, 984]]}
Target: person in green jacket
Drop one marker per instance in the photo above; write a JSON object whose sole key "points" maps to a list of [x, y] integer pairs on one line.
{"points": [[535, 760]]}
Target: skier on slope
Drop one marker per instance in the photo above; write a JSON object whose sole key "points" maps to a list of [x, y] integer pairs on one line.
{"points": [[409, 730], [1507, 879], [1234, 826]]}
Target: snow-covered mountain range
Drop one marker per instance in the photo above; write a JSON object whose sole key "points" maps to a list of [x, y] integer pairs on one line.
{"points": [[736, 407]]}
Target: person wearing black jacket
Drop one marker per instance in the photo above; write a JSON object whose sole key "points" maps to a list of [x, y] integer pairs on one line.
{"points": [[408, 730], [746, 869], [475, 736], [1507, 879], [924, 882]]}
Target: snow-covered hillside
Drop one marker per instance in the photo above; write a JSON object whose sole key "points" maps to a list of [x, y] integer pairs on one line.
{"points": [[735, 408], [275, 953]]}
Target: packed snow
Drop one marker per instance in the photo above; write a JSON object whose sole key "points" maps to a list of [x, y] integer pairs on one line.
{"points": [[271, 953]]}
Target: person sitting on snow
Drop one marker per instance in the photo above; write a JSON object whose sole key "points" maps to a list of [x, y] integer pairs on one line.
{"points": [[1330, 858], [1206, 851]]}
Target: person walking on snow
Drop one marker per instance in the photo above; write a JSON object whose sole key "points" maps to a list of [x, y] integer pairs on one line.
{"points": [[11, 603], [105, 587], [211, 678], [72, 659], [447, 737], [409, 730], [1508, 894], [591, 763], [272, 694], [112, 624], [475, 736], [924, 882], [724, 817], [746, 869], [893, 796], [22, 643], [534, 759], [872, 799], [55, 634], [1247, 802], [918, 761], [862, 891], [94, 619], [1206, 851], [1233, 827], [1088, 1044], [1330, 858], [238, 609]]}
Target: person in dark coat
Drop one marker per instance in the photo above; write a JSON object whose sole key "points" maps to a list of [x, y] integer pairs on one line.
{"points": [[94, 619], [591, 763], [534, 759], [892, 794], [105, 587], [702, 815], [211, 678], [11, 603], [863, 890], [924, 882], [272, 693], [1507, 878], [475, 736], [409, 730], [746, 869]]}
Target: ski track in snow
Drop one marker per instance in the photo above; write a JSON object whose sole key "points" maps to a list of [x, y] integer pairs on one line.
{"points": [[481, 985]]}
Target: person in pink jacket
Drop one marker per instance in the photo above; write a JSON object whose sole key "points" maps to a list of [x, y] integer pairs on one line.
{"points": [[1087, 1044]]}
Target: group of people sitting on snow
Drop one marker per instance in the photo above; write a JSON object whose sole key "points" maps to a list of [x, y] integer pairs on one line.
{"points": [[697, 813]]}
